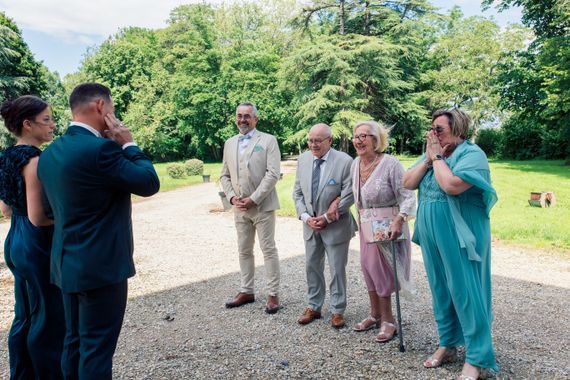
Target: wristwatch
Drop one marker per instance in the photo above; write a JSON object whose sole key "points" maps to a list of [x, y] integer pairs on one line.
{"points": [[438, 157], [404, 216]]}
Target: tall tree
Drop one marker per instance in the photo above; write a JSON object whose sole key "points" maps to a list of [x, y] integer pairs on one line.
{"points": [[20, 73], [540, 72]]}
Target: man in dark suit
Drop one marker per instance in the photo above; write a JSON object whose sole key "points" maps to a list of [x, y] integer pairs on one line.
{"points": [[88, 181]]}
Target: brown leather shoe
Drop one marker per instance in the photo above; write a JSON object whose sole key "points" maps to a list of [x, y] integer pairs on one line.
{"points": [[337, 321], [240, 300], [309, 315], [272, 305]]}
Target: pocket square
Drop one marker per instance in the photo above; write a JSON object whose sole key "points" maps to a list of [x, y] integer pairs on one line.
{"points": [[332, 182], [257, 148]]}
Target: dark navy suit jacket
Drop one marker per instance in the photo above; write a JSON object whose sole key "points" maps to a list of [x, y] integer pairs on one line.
{"points": [[88, 181]]}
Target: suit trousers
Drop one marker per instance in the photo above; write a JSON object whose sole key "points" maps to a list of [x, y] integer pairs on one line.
{"points": [[93, 321], [337, 255], [247, 223]]}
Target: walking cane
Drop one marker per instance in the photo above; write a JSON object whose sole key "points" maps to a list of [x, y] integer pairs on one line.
{"points": [[397, 286]]}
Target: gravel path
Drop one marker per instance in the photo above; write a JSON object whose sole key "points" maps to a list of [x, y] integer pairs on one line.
{"points": [[177, 328]]}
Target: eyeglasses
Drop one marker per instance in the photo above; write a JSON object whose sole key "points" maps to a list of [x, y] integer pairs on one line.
{"points": [[316, 141], [438, 129], [361, 137], [48, 121]]}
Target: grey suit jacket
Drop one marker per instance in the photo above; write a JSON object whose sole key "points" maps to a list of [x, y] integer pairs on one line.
{"points": [[263, 162], [335, 181]]}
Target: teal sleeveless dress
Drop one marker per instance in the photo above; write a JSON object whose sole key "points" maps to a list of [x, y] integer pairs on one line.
{"points": [[35, 341]]}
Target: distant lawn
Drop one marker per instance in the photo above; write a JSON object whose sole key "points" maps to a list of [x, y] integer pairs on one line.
{"points": [[167, 183], [512, 219]]}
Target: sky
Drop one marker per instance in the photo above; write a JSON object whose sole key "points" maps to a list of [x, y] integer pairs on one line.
{"points": [[59, 32]]}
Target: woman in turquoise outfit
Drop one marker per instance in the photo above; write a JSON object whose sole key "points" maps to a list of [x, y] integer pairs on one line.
{"points": [[36, 337], [453, 229]]}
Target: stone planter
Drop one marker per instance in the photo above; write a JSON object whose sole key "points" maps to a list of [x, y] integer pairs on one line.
{"points": [[206, 177], [225, 201]]}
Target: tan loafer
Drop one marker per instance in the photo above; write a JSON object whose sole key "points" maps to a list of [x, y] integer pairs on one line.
{"points": [[309, 315], [240, 299], [337, 321]]}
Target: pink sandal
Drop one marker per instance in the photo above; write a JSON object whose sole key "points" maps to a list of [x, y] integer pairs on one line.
{"points": [[383, 337], [449, 356], [367, 324]]}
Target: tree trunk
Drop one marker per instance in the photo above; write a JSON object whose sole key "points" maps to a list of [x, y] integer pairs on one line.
{"points": [[367, 18], [342, 16]]}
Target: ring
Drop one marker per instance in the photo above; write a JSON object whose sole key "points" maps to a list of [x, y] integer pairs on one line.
{"points": [[121, 125]]}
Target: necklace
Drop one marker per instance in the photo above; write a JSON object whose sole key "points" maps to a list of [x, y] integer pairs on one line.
{"points": [[365, 171]]}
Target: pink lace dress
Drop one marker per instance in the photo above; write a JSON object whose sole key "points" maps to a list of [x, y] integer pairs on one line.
{"points": [[384, 189]]}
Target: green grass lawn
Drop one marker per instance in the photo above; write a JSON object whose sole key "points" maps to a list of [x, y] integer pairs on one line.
{"points": [[167, 183], [512, 219]]}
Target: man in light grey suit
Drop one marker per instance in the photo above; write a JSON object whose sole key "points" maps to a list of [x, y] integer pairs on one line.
{"points": [[323, 177], [251, 168]]}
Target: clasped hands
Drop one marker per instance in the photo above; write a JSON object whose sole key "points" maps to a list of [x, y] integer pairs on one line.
{"points": [[242, 204], [117, 130], [319, 223]]}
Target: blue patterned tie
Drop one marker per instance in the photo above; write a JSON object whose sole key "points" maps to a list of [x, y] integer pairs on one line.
{"points": [[244, 137], [316, 177]]}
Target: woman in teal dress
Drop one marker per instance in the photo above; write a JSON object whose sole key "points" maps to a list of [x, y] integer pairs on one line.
{"points": [[453, 229], [36, 336]]}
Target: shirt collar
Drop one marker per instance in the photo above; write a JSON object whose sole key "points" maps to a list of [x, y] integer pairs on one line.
{"points": [[88, 127], [324, 158], [250, 133]]}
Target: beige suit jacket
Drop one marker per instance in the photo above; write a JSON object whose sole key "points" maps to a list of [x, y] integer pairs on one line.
{"points": [[263, 166]]}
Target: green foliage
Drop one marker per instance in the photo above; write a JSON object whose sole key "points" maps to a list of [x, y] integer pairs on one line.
{"points": [[176, 170], [490, 140], [20, 73], [194, 166], [535, 82], [521, 138]]}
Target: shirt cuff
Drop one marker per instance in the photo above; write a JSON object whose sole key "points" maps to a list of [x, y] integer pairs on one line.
{"points": [[126, 145], [305, 216], [327, 219]]}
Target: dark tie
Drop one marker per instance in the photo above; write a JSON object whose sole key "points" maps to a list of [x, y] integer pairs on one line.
{"points": [[316, 176]]}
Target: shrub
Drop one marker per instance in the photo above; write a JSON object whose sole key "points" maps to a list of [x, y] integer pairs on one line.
{"points": [[490, 140], [194, 166], [522, 138], [176, 171]]}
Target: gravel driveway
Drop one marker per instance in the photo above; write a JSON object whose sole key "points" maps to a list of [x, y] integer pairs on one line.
{"points": [[176, 326]]}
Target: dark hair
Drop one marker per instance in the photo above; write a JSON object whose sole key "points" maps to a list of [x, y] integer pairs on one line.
{"points": [[87, 92], [15, 112], [459, 121]]}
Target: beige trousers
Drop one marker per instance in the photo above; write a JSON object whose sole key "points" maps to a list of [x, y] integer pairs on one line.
{"points": [[264, 223]]}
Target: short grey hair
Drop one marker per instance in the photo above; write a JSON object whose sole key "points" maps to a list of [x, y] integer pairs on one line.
{"points": [[325, 126], [380, 132], [248, 104]]}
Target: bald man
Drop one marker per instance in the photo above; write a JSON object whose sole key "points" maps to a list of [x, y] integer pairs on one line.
{"points": [[323, 177]]}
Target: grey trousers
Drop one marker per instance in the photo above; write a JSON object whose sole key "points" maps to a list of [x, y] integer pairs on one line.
{"points": [[337, 255]]}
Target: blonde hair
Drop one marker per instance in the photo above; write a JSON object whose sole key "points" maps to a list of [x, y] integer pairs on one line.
{"points": [[380, 132], [459, 121]]}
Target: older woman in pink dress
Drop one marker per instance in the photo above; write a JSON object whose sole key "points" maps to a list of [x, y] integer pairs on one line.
{"points": [[377, 182]]}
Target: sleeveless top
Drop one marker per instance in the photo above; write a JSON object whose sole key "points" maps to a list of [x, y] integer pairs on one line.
{"points": [[12, 185]]}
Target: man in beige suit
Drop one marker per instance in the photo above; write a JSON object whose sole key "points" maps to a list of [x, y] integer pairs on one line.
{"points": [[251, 168]]}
